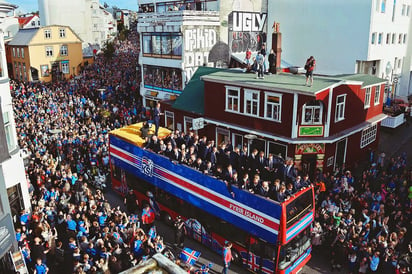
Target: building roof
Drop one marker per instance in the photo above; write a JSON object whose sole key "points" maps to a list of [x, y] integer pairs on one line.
{"points": [[366, 79], [24, 20], [192, 98], [23, 37], [284, 81], [290, 82]]}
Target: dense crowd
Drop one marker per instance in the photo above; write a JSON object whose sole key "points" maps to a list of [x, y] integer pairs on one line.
{"points": [[64, 128], [366, 221]]}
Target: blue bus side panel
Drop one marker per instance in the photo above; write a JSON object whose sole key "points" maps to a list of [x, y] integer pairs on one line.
{"points": [[252, 213]]}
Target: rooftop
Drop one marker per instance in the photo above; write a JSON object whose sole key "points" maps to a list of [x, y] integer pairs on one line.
{"points": [[289, 82]]}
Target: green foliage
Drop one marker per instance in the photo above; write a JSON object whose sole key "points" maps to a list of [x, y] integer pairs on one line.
{"points": [[108, 50]]}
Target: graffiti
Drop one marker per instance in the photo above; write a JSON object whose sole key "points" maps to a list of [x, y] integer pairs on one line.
{"points": [[247, 21], [197, 44], [241, 41], [246, 31]]}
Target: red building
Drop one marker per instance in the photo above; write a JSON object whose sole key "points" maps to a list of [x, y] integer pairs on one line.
{"points": [[328, 125]]}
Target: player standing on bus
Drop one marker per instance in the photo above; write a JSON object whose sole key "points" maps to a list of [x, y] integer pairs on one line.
{"points": [[227, 257]]}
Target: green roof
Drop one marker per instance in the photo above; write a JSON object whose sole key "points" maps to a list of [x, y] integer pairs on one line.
{"points": [[192, 97], [366, 79], [283, 81]]}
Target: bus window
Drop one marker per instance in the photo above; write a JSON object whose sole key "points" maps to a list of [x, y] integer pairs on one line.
{"points": [[231, 232], [298, 207], [294, 249], [262, 249], [168, 200]]}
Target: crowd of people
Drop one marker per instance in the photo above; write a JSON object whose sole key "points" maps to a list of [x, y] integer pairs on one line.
{"points": [[366, 222], [270, 177], [64, 128]]}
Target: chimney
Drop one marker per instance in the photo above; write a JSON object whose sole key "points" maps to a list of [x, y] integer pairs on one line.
{"points": [[277, 45]]}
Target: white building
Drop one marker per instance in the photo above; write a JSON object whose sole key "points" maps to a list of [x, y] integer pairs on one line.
{"points": [[29, 21], [87, 18], [179, 36], [12, 174], [347, 36]]}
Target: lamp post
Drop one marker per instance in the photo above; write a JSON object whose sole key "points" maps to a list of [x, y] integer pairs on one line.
{"points": [[388, 71]]}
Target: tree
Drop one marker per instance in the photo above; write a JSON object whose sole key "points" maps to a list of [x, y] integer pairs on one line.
{"points": [[108, 50]]}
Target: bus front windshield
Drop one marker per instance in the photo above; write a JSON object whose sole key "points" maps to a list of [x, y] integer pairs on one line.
{"points": [[298, 207], [294, 249]]}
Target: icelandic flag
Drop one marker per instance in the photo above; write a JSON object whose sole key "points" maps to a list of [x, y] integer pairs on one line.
{"points": [[189, 256]]}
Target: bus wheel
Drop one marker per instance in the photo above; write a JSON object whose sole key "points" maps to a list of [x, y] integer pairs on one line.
{"points": [[237, 258], [166, 218]]}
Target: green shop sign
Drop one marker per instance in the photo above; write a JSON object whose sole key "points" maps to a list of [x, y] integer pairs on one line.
{"points": [[310, 131]]}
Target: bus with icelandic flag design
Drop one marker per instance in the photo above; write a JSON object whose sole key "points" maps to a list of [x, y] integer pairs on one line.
{"points": [[267, 236]]}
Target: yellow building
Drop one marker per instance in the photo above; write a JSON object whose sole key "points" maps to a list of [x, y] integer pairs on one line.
{"points": [[45, 54]]}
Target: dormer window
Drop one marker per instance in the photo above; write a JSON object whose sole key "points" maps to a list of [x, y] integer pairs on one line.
{"points": [[312, 113], [47, 33]]}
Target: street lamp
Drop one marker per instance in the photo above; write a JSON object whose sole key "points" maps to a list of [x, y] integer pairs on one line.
{"points": [[388, 70]]}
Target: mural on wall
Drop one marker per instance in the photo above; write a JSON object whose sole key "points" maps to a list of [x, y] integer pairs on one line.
{"points": [[198, 41], [246, 30]]}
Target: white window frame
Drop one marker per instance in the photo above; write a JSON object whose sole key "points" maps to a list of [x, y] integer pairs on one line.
{"points": [[22, 52], [64, 50], [367, 99], [368, 135], [65, 68], [62, 33], [187, 120], [230, 98], [169, 114], [8, 128], [373, 38], [47, 34], [388, 38], [404, 38], [312, 108], [14, 52], [377, 97], [49, 51], [340, 106], [393, 38], [273, 105], [248, 97], [380, 37], [18, 52], [383, 6]]}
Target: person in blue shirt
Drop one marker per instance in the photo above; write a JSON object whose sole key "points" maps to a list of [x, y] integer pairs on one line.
{"points": [[374, 262], [40, 268]]}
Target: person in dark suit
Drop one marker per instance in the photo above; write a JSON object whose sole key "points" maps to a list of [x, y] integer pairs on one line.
{"points": [[234, 158], [265, 189], [243, 159], [253, 163], [156, 117], [176, 155], [255, 185], [213, 156], [228, 173], [209, 170], [262, 161], [290, 172], [244, 182]]}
